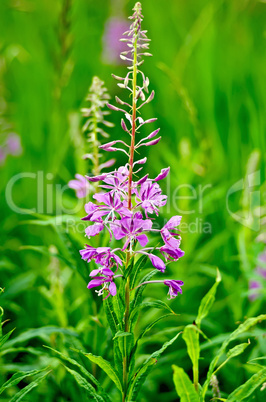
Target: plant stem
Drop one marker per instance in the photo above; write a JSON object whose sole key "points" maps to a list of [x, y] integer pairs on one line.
{"points": [[131, 161], [133, 132]]}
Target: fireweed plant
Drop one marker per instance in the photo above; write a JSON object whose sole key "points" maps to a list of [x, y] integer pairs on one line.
{"points": [[93, 129], [125, 208]]}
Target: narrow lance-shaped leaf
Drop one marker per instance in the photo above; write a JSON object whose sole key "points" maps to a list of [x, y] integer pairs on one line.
{"points": [[81, 368], [106, 367], [250, 322], [143, 332], [85, 385], [208, 300], [16, 378], [140, 376], [184, 386], [246, 389], [236, 351], [191, 337], [24, 391], [5, 338]]}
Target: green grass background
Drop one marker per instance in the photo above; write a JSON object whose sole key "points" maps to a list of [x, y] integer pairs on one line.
{"points": [[208, 73]]}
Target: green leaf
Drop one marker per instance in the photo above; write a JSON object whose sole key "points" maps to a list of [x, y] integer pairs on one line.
{"points": [[144, 331], [140, 263], [184, 386], [191, 337], [139, 379], [5, 337], [237, 350], [111, 315], [208, 300], [246, 389], [28, 388], [82, 369], [250, 322], [121, 334], [159, 304], [107, 368], [42, 332], [140, 376], [138, 295], [16, 378], [85, 385]]}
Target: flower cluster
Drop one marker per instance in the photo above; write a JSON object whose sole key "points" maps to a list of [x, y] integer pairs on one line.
{"points": [[94, 126], [125, 207]]}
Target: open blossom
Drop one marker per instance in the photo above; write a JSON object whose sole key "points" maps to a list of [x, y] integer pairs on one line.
{"points": [[132, 228], [169, 237], [150, 197], [174, 287], [81, 186], [101, 255], [107, 281]]}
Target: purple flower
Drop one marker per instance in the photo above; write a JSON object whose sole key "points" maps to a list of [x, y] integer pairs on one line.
{"points": [[95, 229], [117, 181], [172, 254], [132, 228], [102, 255], [261, 269], [14, 144], [174, 287], [107, 281], [254, 287], [112, 203], [112, 46], [150, 197], [169, 237], [157, 262], [80, 185]]}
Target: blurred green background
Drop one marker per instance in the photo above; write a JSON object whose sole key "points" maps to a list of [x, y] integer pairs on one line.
{"points": [[208, 72]]}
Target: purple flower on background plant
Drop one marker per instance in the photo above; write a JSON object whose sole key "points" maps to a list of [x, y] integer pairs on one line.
{"points": [[14, 144], [254, 287], [174, 287], [257, 283], [11, 146], [2, 155], [81, 186], [112, 47], [261, 268]]}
